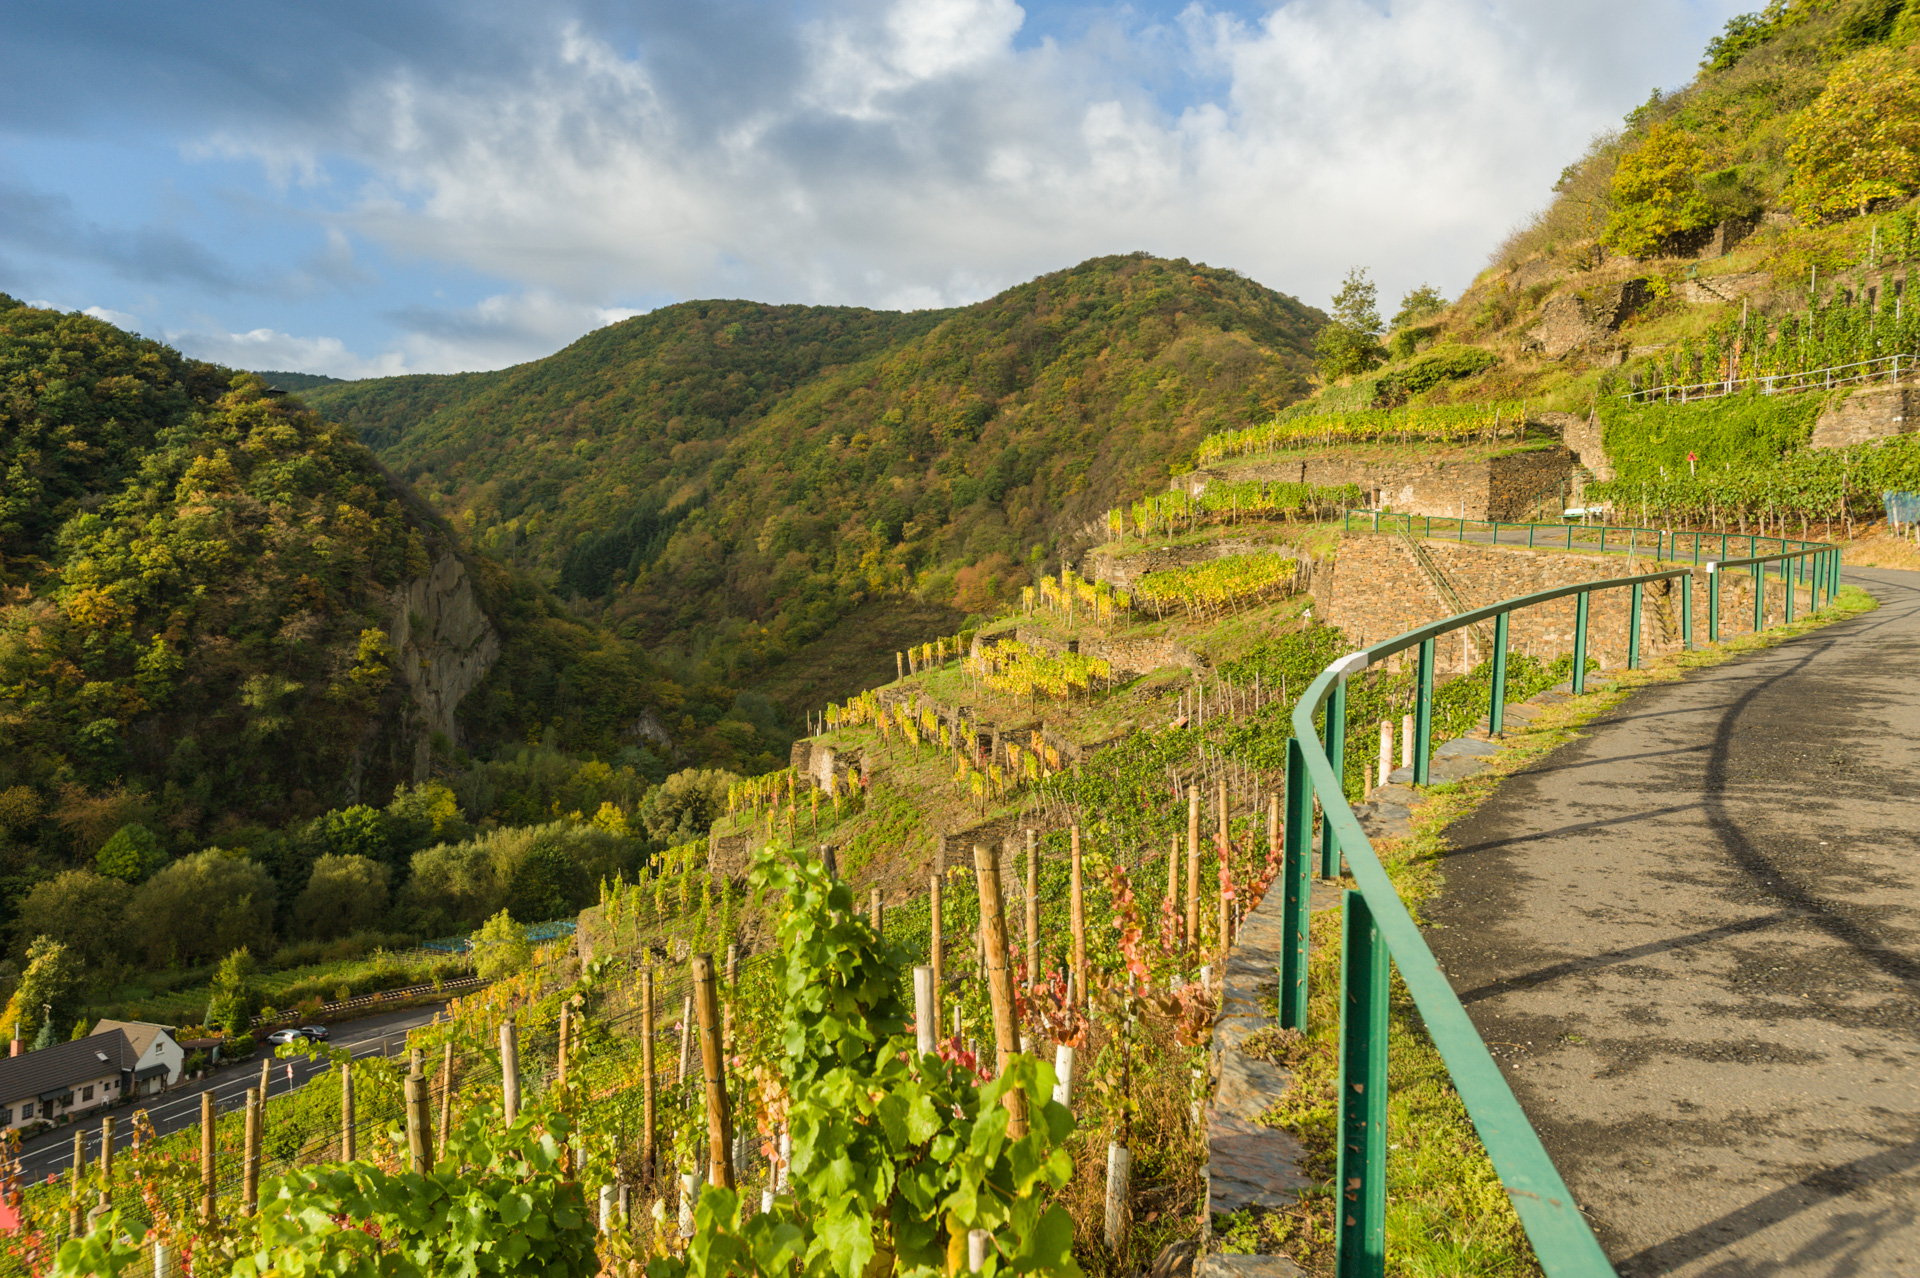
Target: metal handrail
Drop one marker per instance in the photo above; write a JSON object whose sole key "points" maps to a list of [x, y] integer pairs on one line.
{"points": [[1378, 932]]}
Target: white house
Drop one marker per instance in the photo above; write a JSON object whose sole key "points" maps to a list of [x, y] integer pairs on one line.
{"points": [[158, 1058], [67, 1078]]}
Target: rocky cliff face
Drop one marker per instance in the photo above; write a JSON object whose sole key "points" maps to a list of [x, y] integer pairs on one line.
{"points": [[445, 646]]}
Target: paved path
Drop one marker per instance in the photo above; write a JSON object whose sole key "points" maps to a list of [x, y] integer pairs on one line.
{"points": [[383, 1035], [1692, 939]]}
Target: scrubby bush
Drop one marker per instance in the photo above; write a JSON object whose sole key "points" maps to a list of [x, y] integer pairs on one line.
{"points": [[132, 855], [684, 806], [200, 907], [500, 948], [84, 911], [541, 872], [344, 894]]}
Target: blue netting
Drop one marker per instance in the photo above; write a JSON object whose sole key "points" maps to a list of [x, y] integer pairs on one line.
{"points": [[1902, 508], [537, 933]]}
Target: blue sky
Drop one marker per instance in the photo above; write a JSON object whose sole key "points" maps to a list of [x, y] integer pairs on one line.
{"points": [[362, 188]]}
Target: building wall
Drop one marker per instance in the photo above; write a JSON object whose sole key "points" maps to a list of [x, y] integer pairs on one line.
{"points": [[106, 1090]]}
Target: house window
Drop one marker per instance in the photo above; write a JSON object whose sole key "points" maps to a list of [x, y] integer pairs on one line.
{"points": [[26, 1111], [6, 1117], [86, 1093]]}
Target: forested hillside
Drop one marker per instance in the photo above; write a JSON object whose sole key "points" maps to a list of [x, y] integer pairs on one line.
{"points": [[198, 616], [725, 480]]}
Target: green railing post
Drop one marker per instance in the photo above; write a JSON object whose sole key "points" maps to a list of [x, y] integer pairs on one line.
{"points": [[1633, 629], [1494, 539], [1569, 536], [1580, 643], [1360, 1205], [1790, 577], [1346, 521], [1530, 531], [1376, 521], [1423, 713], [1298, 872], [1335, 728], [1759, 598], [1497, 700], [1686, 611], [1723, 545], [1836, 570], [1603, 539], [1713, 602]]}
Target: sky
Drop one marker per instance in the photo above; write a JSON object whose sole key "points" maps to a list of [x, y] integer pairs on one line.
{"points": [[363, 188]]}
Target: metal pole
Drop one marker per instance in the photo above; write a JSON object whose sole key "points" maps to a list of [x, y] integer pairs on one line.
{"points": [[1713, 601], [1423, 714], [1580, 605], [1336, 740], [1633, 629], [1296, 874], [1686, 611], [1759, 598], [1497, 698], [1360, 1220]]}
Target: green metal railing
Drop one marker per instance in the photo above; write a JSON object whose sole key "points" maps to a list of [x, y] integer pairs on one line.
{"points": [[1377, 931]]}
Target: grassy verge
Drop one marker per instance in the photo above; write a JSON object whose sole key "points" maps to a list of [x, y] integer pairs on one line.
{"points": [[1446, 1211]]}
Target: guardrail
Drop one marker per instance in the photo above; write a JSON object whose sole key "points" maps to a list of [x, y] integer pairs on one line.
{"points": [[1377, 932], [1665, 544], [1774, 383], [458, 985]]}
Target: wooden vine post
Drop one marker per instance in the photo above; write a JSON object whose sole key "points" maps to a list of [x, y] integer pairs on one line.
{"points": [[934, 947], [419, 1140], [561, 1055], [1033, 909], [1191, 935], [1173, 879], [346, 1111], [106, 1160], [1226, 905], [875, 911], [646, 1068], [250, 1160], [74, 1214], [510, 1069], [446, 1092], [1077, 917], [719, 1121], [993, 928], [207, 1192]]}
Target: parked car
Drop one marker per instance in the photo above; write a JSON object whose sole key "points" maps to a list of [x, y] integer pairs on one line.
{"points": [[281, 1036], [318, 1033]]}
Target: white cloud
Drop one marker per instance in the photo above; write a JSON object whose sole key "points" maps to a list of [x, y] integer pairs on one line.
{"points": [[915, 152], [119, 319], [498, 331]]}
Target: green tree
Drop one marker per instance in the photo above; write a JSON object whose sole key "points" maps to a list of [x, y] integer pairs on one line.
{"points": [[200, 907], [684, 806], [83, 911], [49, 989], [1655, 192], [1860, 139], [233, 1000], [500, 948], [344, 895], [1418, 304], [1350, 342], [132, 855], [356, 831]]}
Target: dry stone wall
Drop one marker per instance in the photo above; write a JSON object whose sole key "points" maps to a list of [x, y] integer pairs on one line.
{"points": [[1877, 412], [1502, 487], [1378, 591]]}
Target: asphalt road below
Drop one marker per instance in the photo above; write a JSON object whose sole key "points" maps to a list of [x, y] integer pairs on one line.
{"points": [[1692, 940], [383, 1035]]}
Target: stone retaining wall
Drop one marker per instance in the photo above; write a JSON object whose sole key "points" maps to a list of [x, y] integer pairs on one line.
{"points": [[1501, 487]]}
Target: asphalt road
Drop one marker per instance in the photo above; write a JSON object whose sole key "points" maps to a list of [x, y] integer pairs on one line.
{"points": [[1692, 940], [383, 1035]]}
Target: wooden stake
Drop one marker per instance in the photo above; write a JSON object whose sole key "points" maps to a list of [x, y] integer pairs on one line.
{"points": [[1173, 879], [510, 1069], [993, 928], [207, 1195], [686, 1038], [106, 1159], [1033, 909], [419, 1143], [1191, 935], [719, 1121], [646, 1068], [346, 1111], [250, 1160], [1077, 914], [446, 1092], [74, 1225], [934, 948], [926, 1020], [874, 911], [726, 1008]]}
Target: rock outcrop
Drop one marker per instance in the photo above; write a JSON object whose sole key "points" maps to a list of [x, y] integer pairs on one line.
{"points": [[444, 645]]}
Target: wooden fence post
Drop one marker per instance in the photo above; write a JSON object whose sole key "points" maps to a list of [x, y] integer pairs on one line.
{"points": [[346, 1112], [207, 1194], [1077, 915], [646, 1068], [874, 909], [510, 1069], [1191, 934], [446, 1091], [993, 928], [106, 1160], [719, 1120], [419, 1143], [935, 946], [250, 1159], [1033, 909]]}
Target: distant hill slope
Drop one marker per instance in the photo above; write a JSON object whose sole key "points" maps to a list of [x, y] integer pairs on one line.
{"points": [[217, 605], [728, 479], [294, 382]]}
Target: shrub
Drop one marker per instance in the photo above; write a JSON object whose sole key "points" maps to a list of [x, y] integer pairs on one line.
{"points": [[237, 1048], [200, 907], [80, 909], [500, 948], [131, 855], [345, 894], [1860, 140], [1654, 192]]}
